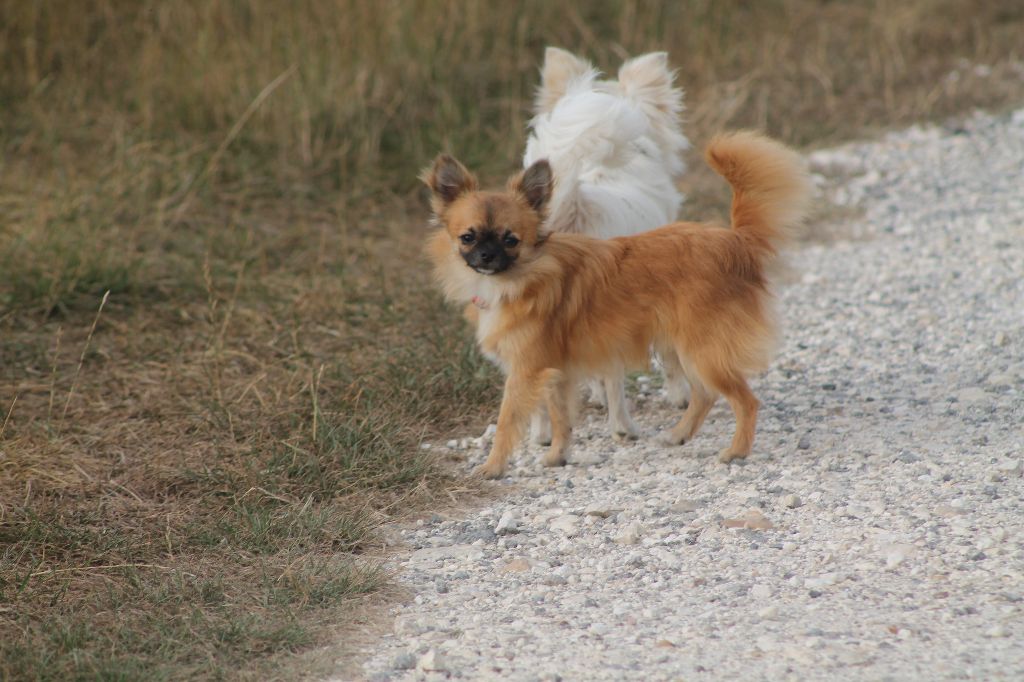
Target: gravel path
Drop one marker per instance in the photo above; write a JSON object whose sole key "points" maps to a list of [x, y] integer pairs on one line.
{"points": [[876, 533]]}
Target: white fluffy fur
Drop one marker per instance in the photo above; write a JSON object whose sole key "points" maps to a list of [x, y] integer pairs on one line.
{"points": [[615, 148]]}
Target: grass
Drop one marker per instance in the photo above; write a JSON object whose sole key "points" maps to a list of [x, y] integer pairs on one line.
{"points": [[191, 477]]}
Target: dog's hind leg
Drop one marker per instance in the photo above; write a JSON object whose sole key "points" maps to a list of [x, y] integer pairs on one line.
{"points": [[622, 425], [744, 405], [701, 401]]}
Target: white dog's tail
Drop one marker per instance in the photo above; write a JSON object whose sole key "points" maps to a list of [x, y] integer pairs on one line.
{"points": [[771, 189]]}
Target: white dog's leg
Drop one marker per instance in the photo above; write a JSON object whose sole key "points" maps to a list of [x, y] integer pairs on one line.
{"points": [[540, 427], [622, 425], [677, 389], [595, 387]]}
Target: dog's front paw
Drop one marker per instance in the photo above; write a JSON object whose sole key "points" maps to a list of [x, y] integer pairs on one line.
{"points": [[490, 470], [555, 457], [727, 455], [554, 460]]}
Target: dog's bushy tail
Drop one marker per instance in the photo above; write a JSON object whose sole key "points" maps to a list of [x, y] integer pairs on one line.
{"points": [[771, 188]]}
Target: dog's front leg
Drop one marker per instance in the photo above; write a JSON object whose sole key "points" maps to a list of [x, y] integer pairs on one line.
{"points": [[522, 391]]}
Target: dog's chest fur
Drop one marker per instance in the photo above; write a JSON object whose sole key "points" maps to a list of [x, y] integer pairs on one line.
{"points": [[499, 338], [492, 331], [487, 331]]}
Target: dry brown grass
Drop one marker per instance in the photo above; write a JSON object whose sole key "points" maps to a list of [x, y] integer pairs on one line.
{"points": [[188, 490], [243, 441]]}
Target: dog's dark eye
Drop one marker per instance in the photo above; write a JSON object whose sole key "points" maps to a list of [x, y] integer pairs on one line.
{"points": [[511, 240], [467, 238]]}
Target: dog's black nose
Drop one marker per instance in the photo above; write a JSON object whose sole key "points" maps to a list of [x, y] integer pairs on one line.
{"points": [[486, 256]]}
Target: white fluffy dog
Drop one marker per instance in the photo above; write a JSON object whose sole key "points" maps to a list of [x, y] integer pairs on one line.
{"points": [[615, 148]]}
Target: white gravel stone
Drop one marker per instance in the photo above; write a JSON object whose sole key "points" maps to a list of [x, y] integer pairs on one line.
{"points": [[431, 661], [630, 535], [600, 509], [996, 631], [564, 524], [684, 505], [897, 554], [404, 661], [905, 559], [826, 580], [972, 395], [1009, 466], [508, 523]]}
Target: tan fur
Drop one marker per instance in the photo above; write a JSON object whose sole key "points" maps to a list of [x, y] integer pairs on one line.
{"points": [[572, 306]]}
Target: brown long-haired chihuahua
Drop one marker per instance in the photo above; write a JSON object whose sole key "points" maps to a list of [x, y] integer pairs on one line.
{"points": [[554, 308]]}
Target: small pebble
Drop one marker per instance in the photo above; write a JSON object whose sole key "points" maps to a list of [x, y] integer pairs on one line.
{"points": [[508, 523], [630, 535], [432, 661], [1009, 466], [404, 661]]}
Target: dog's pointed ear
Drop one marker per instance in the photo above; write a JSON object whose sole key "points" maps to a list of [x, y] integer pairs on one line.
{"points": [[560, 67], [535, 185], [448, 180]]}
